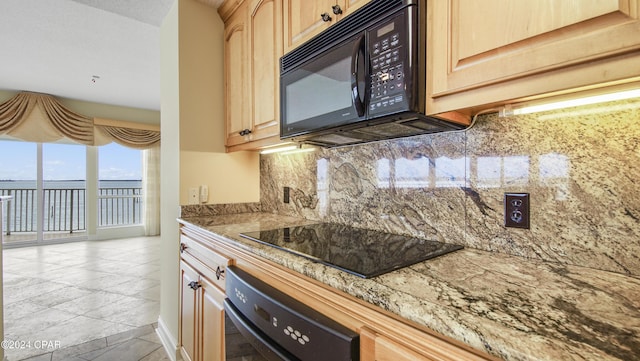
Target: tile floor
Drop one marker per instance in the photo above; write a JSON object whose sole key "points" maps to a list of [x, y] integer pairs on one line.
{"points": [[90, 300]]}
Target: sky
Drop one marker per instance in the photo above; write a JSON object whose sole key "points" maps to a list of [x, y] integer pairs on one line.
{"points": [[18, 161]]}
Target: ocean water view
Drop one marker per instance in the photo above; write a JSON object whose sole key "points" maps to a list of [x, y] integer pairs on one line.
{"points": [[119, 204]]}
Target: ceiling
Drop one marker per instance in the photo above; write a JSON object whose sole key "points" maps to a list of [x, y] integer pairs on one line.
{"points": [[104, 51]]}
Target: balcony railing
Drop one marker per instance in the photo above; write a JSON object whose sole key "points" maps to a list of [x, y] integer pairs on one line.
{"points": [[119, 206], [65, 209]]}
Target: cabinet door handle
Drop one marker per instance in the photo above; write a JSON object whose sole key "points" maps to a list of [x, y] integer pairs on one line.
{"points": [[183, 247], [336, 9], [194, 285], [219, 272], [245, 132], [325, 17]]}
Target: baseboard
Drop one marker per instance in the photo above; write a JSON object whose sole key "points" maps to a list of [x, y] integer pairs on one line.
{"points": [[169, 342]]}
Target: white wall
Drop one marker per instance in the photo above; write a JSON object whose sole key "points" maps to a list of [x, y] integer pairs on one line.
{"points": [[231, 177], [2, 206], [192, 127], [234, 177], [170, 180]]}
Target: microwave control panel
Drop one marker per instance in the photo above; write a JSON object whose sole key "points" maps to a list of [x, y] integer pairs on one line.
{"points": [[387, 46]]}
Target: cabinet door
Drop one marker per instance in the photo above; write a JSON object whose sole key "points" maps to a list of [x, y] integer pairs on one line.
{"points": [[188, 307], [349, 6], [212, 319], [303, 20], [237, 98], [480, 44], [201, 318], [265, 22]]}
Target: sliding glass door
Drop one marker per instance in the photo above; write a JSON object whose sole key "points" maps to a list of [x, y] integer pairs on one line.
{"points": [[19, 178], [48, 183]]}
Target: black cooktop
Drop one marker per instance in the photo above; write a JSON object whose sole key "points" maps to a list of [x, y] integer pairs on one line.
{"points": [[362, 252]]}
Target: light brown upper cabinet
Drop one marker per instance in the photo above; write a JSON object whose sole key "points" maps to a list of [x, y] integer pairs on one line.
{"points": [[265, 46], [303, 18], [485, 52], [253, 46], [236, 76]]}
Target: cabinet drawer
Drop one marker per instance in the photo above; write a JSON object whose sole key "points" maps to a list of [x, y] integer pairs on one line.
{"points": [[207, 261], [375, 346]]}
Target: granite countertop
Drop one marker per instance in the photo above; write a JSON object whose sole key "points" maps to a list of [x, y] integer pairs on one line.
{"points": [[510, 307]]}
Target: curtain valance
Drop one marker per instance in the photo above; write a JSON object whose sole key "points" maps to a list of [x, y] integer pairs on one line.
{"points": [[37, 117], [133, 138], [17, 110], [14, 111]]}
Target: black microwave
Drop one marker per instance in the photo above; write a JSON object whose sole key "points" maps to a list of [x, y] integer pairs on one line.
{"points": [[363, 79]]}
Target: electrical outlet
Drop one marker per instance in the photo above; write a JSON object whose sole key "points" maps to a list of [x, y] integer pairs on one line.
{"points": [[193, 196], [516, 210], [286, 195]]}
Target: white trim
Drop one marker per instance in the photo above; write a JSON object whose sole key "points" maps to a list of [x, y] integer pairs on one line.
{"points": [[29, 243], [169, 342], [91, 186], [39, 195], [128, 231]]}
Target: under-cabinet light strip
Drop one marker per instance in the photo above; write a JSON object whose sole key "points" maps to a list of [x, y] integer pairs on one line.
{"points": [[601, 98], [279, 149], [299, 150]]}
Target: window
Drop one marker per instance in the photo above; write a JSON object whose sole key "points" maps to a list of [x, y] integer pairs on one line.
{"points": [[64, 191], [119, 186]]}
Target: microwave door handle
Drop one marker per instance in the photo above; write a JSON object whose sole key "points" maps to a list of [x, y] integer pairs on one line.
{"points": [[358, 51]]}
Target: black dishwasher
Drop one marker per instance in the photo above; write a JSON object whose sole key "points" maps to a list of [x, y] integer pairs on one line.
{"points": [[263, 323]]}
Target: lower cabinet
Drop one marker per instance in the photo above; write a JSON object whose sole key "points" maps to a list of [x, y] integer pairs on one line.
{"points": [[201, 317], [188, 312], [382, 337], [202, 294]]}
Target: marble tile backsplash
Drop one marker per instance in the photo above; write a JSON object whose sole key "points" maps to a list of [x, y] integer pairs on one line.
{"points": [[581, 168], [207, 210]]}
